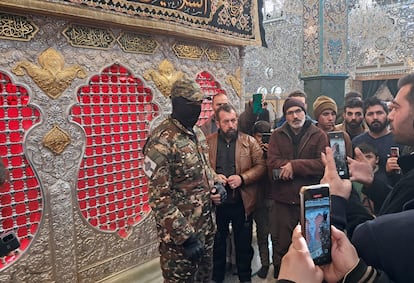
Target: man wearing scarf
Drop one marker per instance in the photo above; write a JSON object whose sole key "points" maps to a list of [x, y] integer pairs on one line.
{"points": [[293, 160]]}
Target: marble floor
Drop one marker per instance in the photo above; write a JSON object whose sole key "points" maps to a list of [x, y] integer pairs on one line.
{"points": [[150, 272], [231, 278]]}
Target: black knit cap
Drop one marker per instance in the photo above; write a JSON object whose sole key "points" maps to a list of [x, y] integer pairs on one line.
{"points": [[290, 102]]}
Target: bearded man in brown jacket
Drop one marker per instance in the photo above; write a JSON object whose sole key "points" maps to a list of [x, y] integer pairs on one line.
{"points": [[238, 160], [293, 160]]}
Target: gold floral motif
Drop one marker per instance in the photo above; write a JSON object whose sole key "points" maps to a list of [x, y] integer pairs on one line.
{"points": [[164, 77], [83, 36], [17, 27], [235, 81], [51, 77], [137, 43], [187, 51], [56, 140], [233, 14], [219, 54]]}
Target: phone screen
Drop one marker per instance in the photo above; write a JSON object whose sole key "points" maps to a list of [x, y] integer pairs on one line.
{"points": [[337, 143], [395, 151], [316, 221], [257, 103]]}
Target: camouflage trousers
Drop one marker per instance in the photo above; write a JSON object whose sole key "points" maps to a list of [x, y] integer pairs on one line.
{"points": [[176, 268]]}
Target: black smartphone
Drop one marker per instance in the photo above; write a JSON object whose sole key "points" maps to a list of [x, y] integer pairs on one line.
{"points": [[337, 143], [8, 243], [266, 137], [257, 103], [395, 152], [315, 206]]}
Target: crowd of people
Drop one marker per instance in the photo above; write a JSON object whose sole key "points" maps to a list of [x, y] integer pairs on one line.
{"points": [[234, 174]]}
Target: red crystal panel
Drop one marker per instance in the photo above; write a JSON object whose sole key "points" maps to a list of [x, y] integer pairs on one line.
{"points": [[21, 205], [210, 87], [115, 109]]}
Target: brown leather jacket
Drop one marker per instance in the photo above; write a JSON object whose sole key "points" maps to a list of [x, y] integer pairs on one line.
{"points": [[250, 164]]}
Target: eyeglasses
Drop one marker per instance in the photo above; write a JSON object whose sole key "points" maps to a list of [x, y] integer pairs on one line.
{"points": [[297, 112]]}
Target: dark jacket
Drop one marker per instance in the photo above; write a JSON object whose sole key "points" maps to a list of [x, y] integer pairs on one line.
{"points": [[306, 162], [403, 190], [360, 273], [249, 164], [247, 119], [348, 214], [386, 243]]}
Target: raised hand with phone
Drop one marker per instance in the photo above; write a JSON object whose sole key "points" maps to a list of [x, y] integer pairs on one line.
{"points": [[392, 161]]}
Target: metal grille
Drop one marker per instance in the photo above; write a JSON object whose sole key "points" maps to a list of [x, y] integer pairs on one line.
{"points": [[210, 87], [21, 198], [115, 109]]}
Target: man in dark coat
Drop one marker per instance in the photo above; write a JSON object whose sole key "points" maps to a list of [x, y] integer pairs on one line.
{"points": [[386, 241]]}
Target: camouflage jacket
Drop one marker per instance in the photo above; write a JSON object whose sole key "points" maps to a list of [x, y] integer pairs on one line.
{"points": [[179, 180]]}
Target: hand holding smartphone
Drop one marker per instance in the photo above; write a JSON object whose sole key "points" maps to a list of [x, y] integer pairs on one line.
{"points": [[337, 143], [257, 103], [315, 206], [395, 152], [266, 137]]}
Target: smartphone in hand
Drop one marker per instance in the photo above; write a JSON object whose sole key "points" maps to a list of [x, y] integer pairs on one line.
{"points": [[257, 103], [337, 143], [315, 206], [395, 152], [266, 137]]}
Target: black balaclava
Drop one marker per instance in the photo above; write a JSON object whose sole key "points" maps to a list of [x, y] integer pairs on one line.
{"points": [[185, 111]]}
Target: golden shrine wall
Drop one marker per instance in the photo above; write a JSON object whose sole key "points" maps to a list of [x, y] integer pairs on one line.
{"points": [[77, 103]]}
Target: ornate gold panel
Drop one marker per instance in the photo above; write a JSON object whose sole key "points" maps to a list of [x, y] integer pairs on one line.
{"points": [[137, 43], [217, 53], [164, 77], [235, 81], [56, 140], [187, 51], [89, 37], [51, 77], [235, 23], [17, 27]]}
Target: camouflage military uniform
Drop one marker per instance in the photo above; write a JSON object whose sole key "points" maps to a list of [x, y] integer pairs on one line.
{"points": [[179, 180]]}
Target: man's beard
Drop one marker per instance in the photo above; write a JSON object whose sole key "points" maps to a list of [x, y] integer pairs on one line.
{"points": [[354, 124], [230, 134], [297, 123], [377, 126]]}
